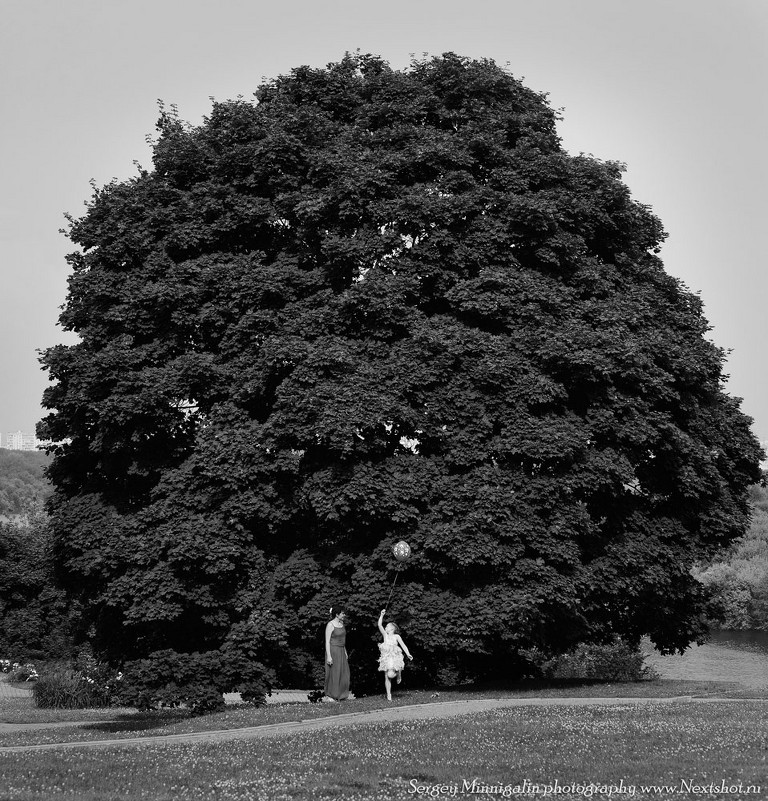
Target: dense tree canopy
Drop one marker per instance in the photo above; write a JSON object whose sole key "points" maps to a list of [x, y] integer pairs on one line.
{"points": [[378, 305]]}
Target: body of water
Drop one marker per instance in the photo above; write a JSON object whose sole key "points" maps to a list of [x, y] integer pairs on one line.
{"points": [[733, 656]]}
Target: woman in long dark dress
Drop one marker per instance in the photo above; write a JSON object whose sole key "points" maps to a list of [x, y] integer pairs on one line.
{"points": [[336, 664]]}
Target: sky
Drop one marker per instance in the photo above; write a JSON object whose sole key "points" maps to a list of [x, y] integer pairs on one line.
{"points": [[675, 89]]}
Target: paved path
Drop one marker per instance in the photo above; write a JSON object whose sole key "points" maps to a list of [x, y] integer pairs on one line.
{"points": [[442, 709], [277, 697], [9, 691]]}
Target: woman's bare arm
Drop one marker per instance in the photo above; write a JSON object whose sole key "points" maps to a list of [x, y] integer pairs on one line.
{"points": [[328, 630]]}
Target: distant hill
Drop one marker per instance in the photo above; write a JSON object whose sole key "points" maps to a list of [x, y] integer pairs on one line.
{"points": [[22, 481], [739, 578]]}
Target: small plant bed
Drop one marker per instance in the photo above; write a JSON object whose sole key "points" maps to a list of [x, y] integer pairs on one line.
{"points": [[118, 724], [638, 745]]}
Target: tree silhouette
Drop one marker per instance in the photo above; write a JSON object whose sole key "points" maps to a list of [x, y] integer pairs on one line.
{"points": [[379, 305]]}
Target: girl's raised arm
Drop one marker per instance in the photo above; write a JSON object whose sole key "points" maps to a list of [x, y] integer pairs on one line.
{"points": [[381, 626]]}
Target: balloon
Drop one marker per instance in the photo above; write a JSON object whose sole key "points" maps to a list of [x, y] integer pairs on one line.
{"points": [[401, 550]]}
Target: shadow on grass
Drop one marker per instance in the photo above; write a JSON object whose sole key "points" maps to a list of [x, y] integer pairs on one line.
{"points": [[139, 722]]}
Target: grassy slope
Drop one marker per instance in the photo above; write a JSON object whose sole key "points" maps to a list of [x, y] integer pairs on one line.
{"points": [[22, 480], [639, 745]]}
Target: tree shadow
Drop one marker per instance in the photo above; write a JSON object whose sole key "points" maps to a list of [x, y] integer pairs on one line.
{"points": [[139, 723]]}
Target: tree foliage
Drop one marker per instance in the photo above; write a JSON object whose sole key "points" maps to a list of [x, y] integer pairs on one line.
{"points": [[23, 484], [738, 578], [378, 305], [37, 621]]}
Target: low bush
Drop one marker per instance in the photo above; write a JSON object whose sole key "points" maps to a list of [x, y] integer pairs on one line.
{"points": [[86, 683], [615, 661], [196, 681], [63, 687]]}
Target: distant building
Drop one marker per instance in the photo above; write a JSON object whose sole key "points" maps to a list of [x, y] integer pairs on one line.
{"points": [[20, 441]]}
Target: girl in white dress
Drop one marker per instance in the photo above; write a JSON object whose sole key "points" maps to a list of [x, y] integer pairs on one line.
{"points": [[391, 660]]}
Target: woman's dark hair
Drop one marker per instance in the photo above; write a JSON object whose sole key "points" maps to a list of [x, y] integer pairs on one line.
{"points": [[336, 610], [395, 628]]}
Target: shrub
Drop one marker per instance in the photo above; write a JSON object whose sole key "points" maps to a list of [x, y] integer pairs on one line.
{"points": [[84, 683], [64, 687], [196, 681], [615, 661]]}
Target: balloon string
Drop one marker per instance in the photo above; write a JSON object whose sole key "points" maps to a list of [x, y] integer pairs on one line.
{"points": [[386, 605]]}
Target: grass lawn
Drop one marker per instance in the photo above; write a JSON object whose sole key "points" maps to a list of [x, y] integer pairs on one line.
{"points": [[105, 724], [640, 745]]}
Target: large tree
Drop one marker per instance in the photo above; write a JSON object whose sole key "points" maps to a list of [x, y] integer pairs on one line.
{"points": [[378, 305]]}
